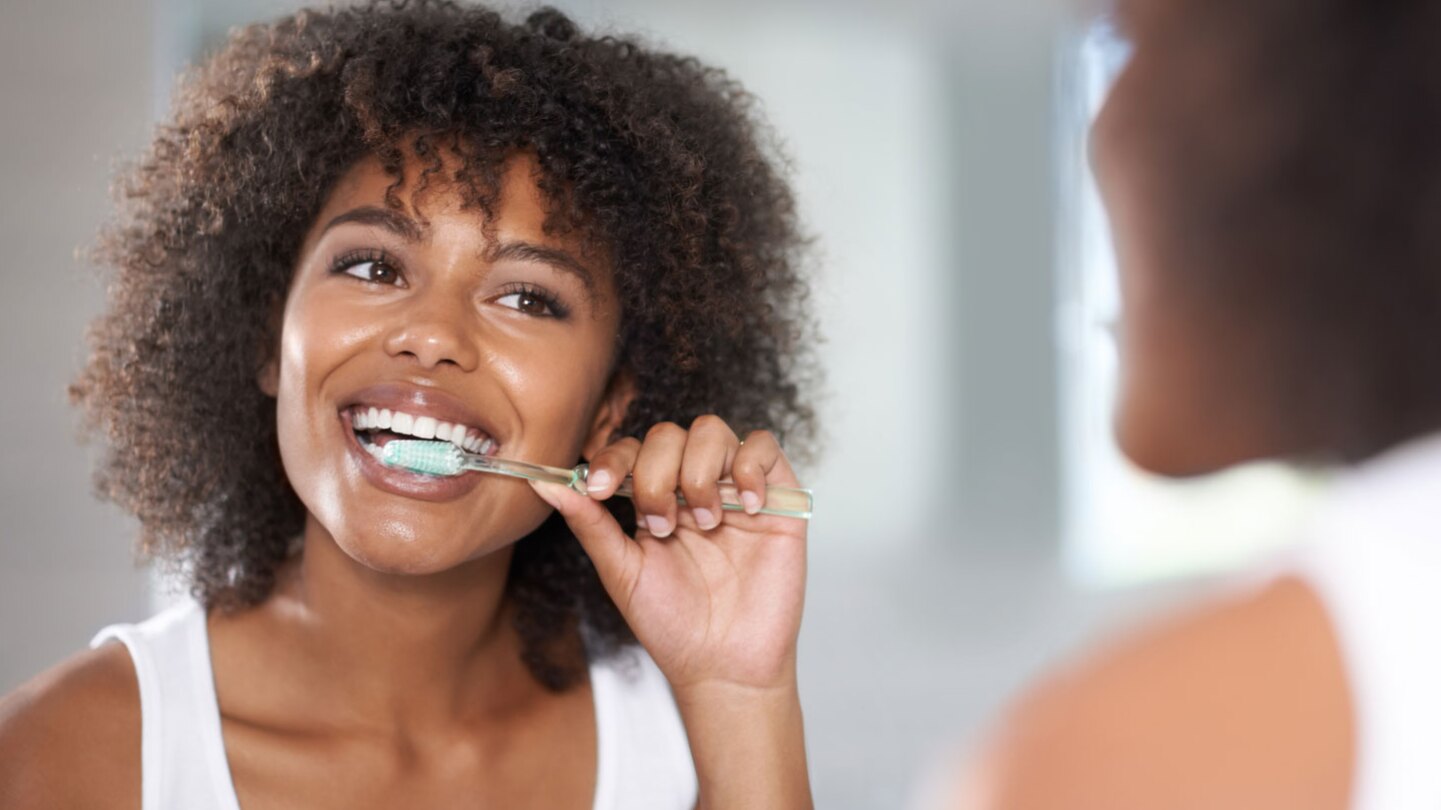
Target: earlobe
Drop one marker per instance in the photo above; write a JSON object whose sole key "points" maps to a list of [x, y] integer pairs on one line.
{"points": [[268, 378], [611, 413]]}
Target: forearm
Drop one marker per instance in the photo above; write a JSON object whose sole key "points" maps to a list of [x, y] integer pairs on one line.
{"points": [[748, 745]]}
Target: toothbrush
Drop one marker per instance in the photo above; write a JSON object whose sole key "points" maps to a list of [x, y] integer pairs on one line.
{"points": [[445, 459]]}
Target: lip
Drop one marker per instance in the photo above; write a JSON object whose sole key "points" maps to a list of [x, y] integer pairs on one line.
{"points": [[403, 482], [418, 401]]}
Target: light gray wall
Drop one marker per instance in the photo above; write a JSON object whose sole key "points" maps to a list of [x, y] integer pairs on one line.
{"points": [[75, 84]]}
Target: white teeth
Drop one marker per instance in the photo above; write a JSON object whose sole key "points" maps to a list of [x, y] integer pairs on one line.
{"points": [[402, 422], [421, 427]]}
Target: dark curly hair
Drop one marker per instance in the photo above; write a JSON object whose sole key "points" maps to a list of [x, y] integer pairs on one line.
{"points": [[655, 158]]}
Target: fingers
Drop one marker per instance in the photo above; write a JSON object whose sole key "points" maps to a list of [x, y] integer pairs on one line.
{"points": [[610, 466], [617, 560], [709, 450], [693, 462], [655, 477], [757, 462]]}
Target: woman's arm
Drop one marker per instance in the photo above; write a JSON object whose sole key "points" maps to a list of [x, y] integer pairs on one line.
{"points": [[71, 736], [715, 597], [748, 745]]}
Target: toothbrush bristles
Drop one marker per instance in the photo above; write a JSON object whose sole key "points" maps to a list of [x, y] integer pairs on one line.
{"points": [[428, 457]]}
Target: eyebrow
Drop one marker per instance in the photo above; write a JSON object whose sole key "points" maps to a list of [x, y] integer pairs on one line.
{"points": [[411, 231], [393, 221], [554, 257]]}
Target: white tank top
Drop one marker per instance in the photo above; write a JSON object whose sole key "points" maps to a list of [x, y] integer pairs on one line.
{"points": [[643, 758], [1374, 559]]}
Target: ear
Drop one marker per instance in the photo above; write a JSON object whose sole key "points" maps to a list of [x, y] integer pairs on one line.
{"points": [[611, 413], [268, 375]]}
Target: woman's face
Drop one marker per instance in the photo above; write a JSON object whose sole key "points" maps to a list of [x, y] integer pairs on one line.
{"points": [[508, 336], [1190, 381]]}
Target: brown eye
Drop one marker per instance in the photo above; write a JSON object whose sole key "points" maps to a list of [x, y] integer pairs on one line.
{"points": [[373, 271], [529, 302]]}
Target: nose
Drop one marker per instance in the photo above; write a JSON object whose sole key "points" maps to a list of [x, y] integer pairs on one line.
{"points": [[433, 334]]}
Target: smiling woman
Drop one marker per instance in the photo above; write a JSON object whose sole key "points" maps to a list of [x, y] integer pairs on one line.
{"points": [[423, 220]]}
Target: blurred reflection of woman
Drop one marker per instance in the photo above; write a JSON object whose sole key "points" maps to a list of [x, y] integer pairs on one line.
{"points": [[1273, 175]]}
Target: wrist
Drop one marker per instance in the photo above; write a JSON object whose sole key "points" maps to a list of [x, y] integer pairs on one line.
{"points": [[734, 695], [750, 679], [748, 743]]}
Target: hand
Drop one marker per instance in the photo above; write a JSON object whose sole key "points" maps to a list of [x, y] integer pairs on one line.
{"points": [[714, 596]]}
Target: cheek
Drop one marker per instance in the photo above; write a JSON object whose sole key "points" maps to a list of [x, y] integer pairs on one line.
{"points": [[555, 394], [1163, 394], [315, 339]]}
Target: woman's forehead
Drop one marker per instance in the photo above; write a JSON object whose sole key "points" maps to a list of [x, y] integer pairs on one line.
{"points": [[427, 190], [429, 204]]}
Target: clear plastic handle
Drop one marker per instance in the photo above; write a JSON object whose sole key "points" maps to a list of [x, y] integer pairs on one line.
{"points": [[781, 501]]}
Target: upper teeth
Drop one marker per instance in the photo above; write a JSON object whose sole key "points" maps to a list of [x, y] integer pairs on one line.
{"points": [[421, 427]]}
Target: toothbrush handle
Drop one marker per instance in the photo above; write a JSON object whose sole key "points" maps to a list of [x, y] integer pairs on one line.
{"points": [[782, 501]]}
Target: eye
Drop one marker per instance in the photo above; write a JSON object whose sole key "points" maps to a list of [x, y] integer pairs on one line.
{"points": [[532, 301], [370, 266]]}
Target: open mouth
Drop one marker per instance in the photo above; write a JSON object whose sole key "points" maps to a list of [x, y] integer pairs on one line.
{"points": [[375, 427]]}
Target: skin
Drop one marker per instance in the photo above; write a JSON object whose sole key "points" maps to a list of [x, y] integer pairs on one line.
{"points": [[1242, 702], [384, 670]]}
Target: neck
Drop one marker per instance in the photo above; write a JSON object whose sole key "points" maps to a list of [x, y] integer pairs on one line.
{"points": [[400, 650]]}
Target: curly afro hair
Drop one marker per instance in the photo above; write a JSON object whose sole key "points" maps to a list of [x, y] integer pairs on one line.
{"points": [[656, 158]]}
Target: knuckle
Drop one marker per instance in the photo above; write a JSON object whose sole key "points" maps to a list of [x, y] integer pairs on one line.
{"points": [[663, 430], [616, 453], [709, 422], [628, 444], [653, 492], [696, 481]]}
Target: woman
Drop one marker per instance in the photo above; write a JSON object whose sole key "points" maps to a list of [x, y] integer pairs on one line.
{"points": [[423, 221], [1274, 183]]}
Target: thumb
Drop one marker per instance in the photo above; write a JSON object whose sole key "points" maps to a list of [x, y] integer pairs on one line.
{"points": [[616, 557]]}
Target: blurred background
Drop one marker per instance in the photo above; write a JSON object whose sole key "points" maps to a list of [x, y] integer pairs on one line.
{"points": [[975, 523]]}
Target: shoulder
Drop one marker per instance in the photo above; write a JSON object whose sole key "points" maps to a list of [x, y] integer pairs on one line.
{"points": [[1241, 704], [70, 737]]}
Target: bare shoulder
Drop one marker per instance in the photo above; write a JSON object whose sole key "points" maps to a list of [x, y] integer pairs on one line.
{"points": [[70, 737], [1239, 704]]}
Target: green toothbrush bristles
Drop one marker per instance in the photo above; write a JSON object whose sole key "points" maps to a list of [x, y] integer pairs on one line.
{"points": [[431, 458]]}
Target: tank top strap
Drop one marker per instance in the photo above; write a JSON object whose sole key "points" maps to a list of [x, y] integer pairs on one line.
{"points": [[644, 755], [182, 751]]}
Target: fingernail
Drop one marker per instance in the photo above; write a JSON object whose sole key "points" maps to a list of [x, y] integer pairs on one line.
{"points": [[658, 526], [597, 481], [751, 501], [705, 518]]}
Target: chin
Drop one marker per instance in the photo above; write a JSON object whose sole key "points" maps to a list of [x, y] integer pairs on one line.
{"points": [[402, 548], [384, 557], [1176, 445]]}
